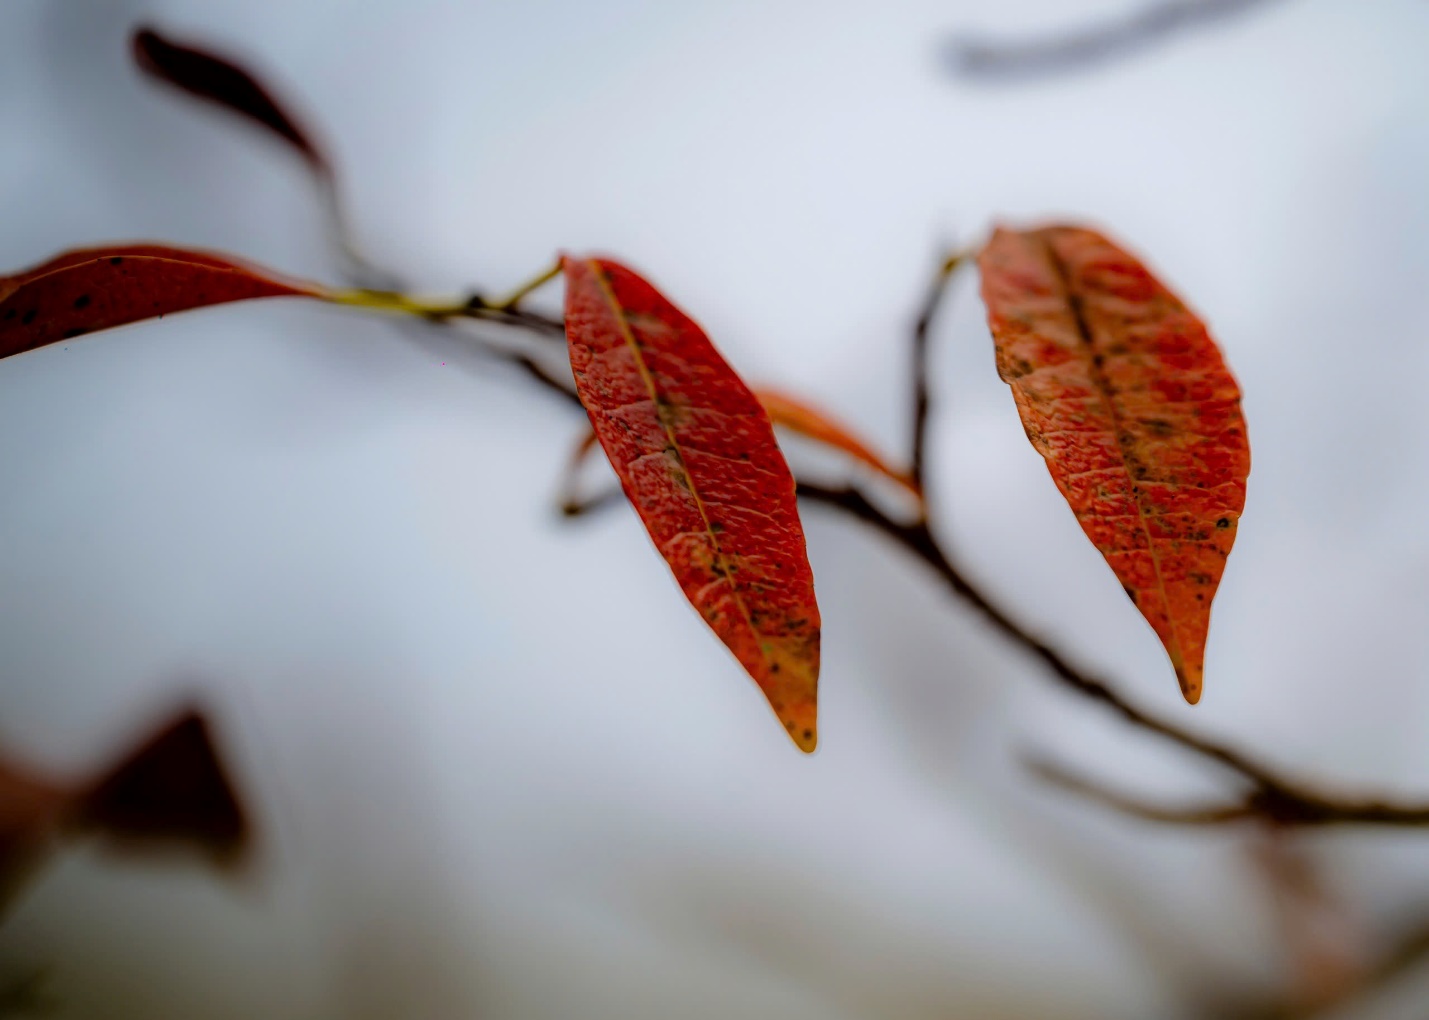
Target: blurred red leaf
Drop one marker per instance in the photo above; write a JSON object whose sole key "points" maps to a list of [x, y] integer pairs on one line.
{"points": [[1124, 393], [171, 790], [696, 456], [219, 80], [808, 421], [90, 289]]}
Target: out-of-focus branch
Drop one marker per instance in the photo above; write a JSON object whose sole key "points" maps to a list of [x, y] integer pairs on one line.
{"points": [[1271, 796], [1089, 46], [1280, 802], [532, 369], [1205, 814], [921, 330]]}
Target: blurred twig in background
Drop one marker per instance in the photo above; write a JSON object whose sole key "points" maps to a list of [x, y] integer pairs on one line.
{"points": [[171, 790], [970, 56]]}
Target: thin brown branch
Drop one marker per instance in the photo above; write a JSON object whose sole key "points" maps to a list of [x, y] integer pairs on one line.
{"points": [[1092, 45], [536, 371], [608, 500], [921, 330], [476, 307], [1204, 814], [1272, 797], [918, 539]]}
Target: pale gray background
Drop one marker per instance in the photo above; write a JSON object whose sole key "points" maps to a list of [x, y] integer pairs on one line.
{"points": [[501, 767]]}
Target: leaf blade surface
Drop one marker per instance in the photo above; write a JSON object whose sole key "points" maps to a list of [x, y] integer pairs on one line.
{"points": [[92, 289], [696, 456], [1124, 393]]}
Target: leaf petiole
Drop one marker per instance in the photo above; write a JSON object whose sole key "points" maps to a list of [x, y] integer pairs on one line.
{"points": [[510, 301], [393, 301]]}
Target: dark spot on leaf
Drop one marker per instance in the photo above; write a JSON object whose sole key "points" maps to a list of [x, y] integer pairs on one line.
{"points": [[29, 317], [70, 334], [808, 734], [116, 260], [1224, 522], [82, 301], [1130, 592], [9, 314]]}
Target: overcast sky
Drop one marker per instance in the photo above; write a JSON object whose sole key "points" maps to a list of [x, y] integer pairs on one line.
{"points": [[501, 767]]}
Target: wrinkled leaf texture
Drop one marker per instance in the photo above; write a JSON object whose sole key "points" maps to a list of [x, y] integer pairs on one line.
{"points": [[802, 418], [91, 289], [1125, 394], [696, 456]]}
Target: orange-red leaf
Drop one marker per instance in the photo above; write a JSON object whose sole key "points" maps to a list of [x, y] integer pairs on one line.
{"points": [[91, 289], [696, 456], [811, 423], [1124, 393]]}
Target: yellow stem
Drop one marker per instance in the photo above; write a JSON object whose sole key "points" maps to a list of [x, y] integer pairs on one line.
{"points": [[510, 301], [405, 304]]}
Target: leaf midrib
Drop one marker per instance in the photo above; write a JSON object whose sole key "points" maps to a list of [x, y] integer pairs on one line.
{"points": [[1103, 386], [648, 378]]}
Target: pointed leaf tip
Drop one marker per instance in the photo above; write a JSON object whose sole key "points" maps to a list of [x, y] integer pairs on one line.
{"points": [[1124, 393], [695, 453]]}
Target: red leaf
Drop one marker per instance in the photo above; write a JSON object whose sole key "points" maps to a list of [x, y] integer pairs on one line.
{"points": [[811, 423], [84, 291], [696, 455], [219, 80], [1124, 393]]}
